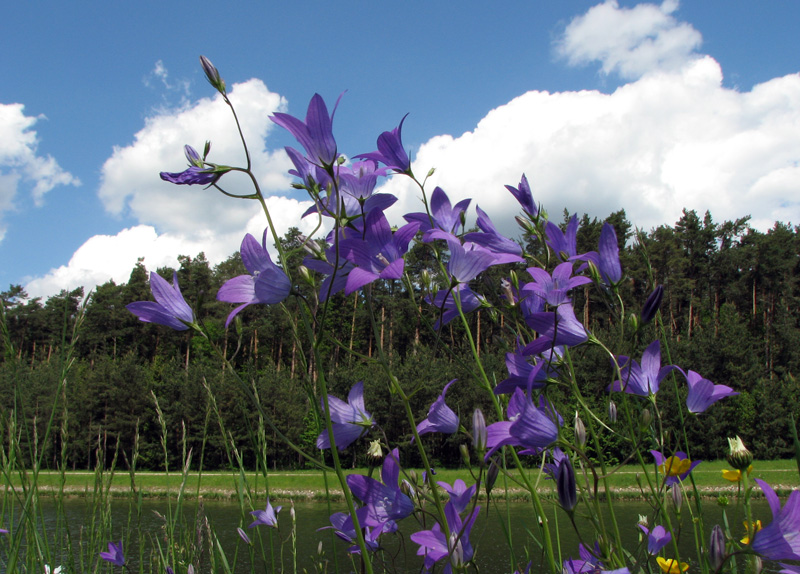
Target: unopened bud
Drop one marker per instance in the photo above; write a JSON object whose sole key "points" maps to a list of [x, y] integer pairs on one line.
{"points": [[479, 434], [206, 149], [375, 451], [565, 485], [633, 322], [612, 411], [738, 456], [716, 548], [505, 287], [319, 548], [491, 476], [580, 431], [647, 418], [212, 75], [758, 565], [192, 156], [431, 171], [677, 497], [464, 453], [652, 304], [305, 274]]}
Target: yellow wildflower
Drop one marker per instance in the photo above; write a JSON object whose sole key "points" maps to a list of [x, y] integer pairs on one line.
{"points": [[735, 475], [674, 466], [756, 528], [671, 566]]}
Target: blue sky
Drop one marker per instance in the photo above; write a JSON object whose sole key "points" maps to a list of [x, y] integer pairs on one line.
{"points": [[650, 107]]}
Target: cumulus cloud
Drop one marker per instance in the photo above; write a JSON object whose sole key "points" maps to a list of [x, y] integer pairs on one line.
{"points": [[105, 257], [630, 41], [669, 140], [20, 162], [183, 220]]}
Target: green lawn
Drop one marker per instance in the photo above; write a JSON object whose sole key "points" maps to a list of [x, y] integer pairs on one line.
{"points": [[310, 485]]}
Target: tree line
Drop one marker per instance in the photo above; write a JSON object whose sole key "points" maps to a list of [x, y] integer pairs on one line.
{"points": [[730, 312]]}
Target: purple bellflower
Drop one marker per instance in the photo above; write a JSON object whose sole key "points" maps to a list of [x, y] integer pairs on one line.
{"points": [[588, 564], [169, 309], [197, 173], [460, 495], [524, 196], [523, 375], [114, 554], [335, 278], [652, 304], [444, 216], [359, 179], [563, 243], [266, 283], [467, 261], [266, 517], [379, 254], [607, 259], [316, 133], [566, 486], [644, 379], [435, 546], [553, 288], [527, 426], [441, 418], [780, 540], [385, 501], [343, 527], [445, 302], [555, 329], [656, 538], [675, 468], [350, 419], [703, 393], [390, 150], [505, 250]]}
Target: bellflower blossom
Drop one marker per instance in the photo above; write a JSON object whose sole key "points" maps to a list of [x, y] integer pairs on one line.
{"points": [[460, 495], [588, 563], [114, 554], [468, 261], [444, 216], [606, 259], [379, 254], [350, 419], [391, 152], [656, 538], [445, 302], [703, 393], [780, 540], [505, 250], [553, 288], [197, 172], [359, 179], [385, 501], [335, 278], [441, 418], [527, 426], [435, 546], [523, 375], [266, 517], [563, 243], [266, 283], [169, 309], [524, 196], [555, 329], [343, 527], [643, 379], [316, 133]]}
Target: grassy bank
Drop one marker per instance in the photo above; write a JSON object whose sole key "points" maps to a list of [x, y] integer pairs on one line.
{"points": [[310, 484]]}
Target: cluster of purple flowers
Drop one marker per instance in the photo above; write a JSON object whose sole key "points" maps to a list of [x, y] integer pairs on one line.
{"points": [[362, 247]]}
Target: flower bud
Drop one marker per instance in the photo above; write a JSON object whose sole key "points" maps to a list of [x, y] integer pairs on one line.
{"points": [[647, 418], [565, 485], [192, 156], [758, 564], [491, 476], [580, 431], [677, 497], [375, 451], [464, 453], [652, 304], [431, 171], [505, 287], [716, 548], [479, 434], [633, 322], [212, 74], [642, 520], [305, 274], [206, 149], [738, 455], [612, 411]]}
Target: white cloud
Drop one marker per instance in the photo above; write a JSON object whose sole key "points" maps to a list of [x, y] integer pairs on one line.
{"points": [[19, 161], [630, 41], [105, 257], [183, 220], [667, 141]]}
